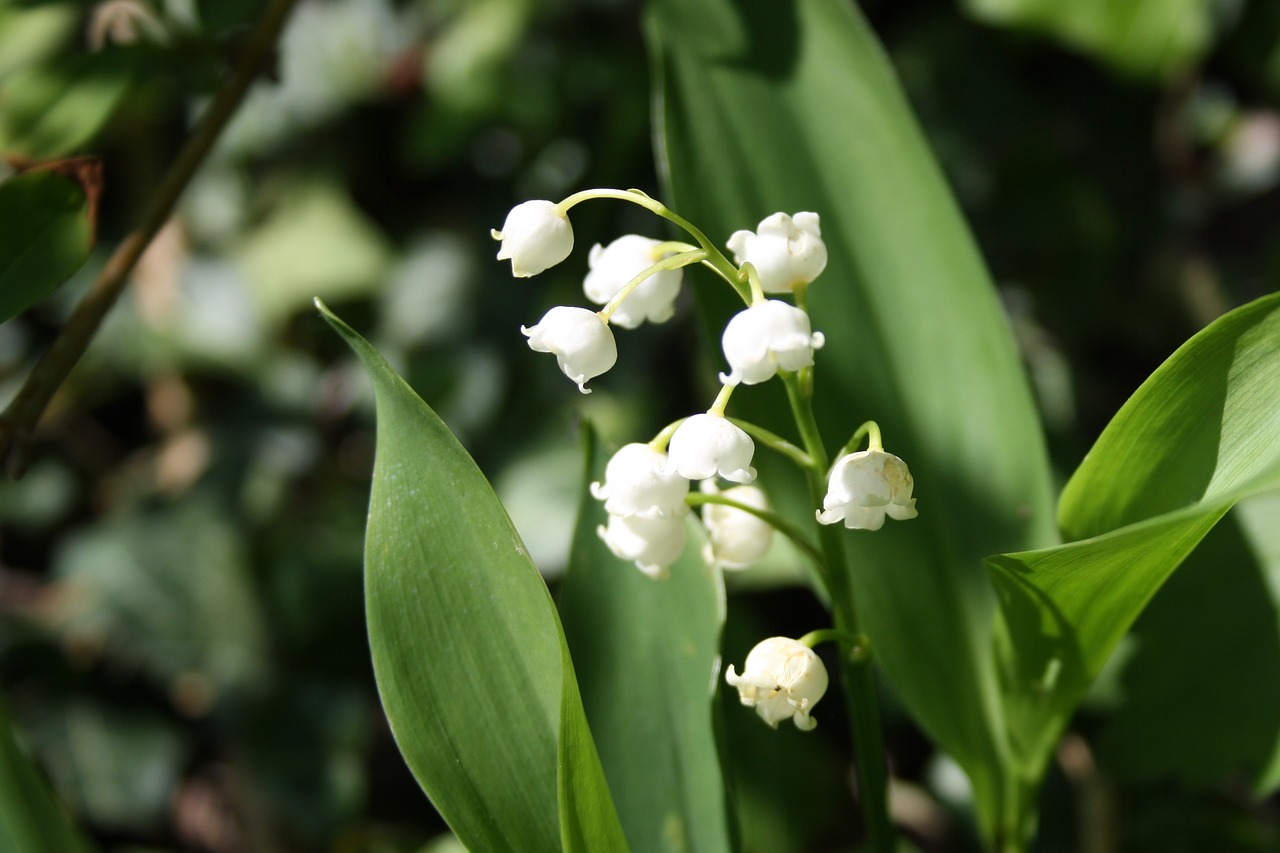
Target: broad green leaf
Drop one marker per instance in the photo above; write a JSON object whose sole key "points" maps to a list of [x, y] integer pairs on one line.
{"points": [[1143, 37], [792, 106], [31, 35], [1200, 434], [54, 109], [1205, 657], [467, 649], [30, 819], [648, 653], [46, 232]]}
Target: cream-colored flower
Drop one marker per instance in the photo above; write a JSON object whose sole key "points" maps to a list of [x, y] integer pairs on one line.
{"points": [[652, 544], [636, 484], [866, 486], [535, 236], [736, 538], [785, 250], [613, 266], [706, 445], [782, 678], [581, 342], [765, 338]]}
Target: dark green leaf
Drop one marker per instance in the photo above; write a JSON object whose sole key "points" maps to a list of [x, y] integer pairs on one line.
{"points": [[1200, 434], [467, 649], [648, 654], [792, 106], [30, 819], [46, 232]]}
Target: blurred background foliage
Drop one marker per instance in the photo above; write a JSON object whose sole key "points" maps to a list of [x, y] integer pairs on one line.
{"points": [[181, 627]]}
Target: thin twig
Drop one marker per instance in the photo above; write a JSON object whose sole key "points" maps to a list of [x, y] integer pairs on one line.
{"points": [[18, 423]]}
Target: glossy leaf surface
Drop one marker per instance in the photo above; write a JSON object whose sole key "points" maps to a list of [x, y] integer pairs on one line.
{"points": [[648, 654], [467, 649], [46, 232], [790, 107]]}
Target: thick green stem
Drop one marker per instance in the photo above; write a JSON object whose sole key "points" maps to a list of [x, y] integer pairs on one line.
{"points": [[860, 689]]}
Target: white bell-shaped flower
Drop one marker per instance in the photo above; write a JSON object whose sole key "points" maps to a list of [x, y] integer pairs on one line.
{"points": [[782, 678], [652, 544], [535, 236], [765, 338], [613, 266], [736, 539], [706, 445], [635, 483], [581, 342], [785, 250], [866, 486]]}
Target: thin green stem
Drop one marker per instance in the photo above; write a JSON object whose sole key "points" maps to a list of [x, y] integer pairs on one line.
{"points": [[659, 442], [777, 522], [722, 400], [774, 442], [18, 423], [871, 429], [748, 271], [674, 262], [715, 258], [831, 635], [860, 689]]}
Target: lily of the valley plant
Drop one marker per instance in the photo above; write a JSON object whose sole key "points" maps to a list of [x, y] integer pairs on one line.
{"points": [[646, 489]]}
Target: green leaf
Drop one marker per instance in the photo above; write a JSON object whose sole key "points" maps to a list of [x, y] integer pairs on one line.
{"points": [[30, 819], [46, 232], [50, 110], [792, 106], [467, 649], [1157, 38], [648, 653], [1206, 658], [1202, 433]]}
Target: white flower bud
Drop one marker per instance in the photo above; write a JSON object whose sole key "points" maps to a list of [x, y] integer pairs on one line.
{"points": [[866, 486], [652, 543], [535, 236], [736, 538], [765, 338], [782, 678], [622, 260], [581, 342], [636, 484], [706, 445], [785, 250]]}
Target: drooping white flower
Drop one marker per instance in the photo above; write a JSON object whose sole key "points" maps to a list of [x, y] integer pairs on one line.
{"points": [[765, 338], [622, 260], [706, 445], [652, 544], [581, 342], [636, 484], [535, 236], [785, 250], [866, 486], [782, 678], [736, 538]]}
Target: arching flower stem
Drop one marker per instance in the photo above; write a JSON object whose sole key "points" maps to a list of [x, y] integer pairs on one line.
{"points": [[674, 262], [715, 258], [857, 647], [871, 430], [774, 442], [778, 523]]}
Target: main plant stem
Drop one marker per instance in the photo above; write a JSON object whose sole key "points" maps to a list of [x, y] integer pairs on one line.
{"points": [[859, 681], [19, 420]]}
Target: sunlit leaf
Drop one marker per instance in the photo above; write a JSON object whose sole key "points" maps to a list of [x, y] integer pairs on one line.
{"points": [[648, 655], [54, 109], [1200, 434], [1147, 37], [470, 660], [792, 106], [46, 232]]}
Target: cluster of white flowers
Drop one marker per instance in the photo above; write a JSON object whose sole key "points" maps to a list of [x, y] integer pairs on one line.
{"points": [[646, 486]]}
